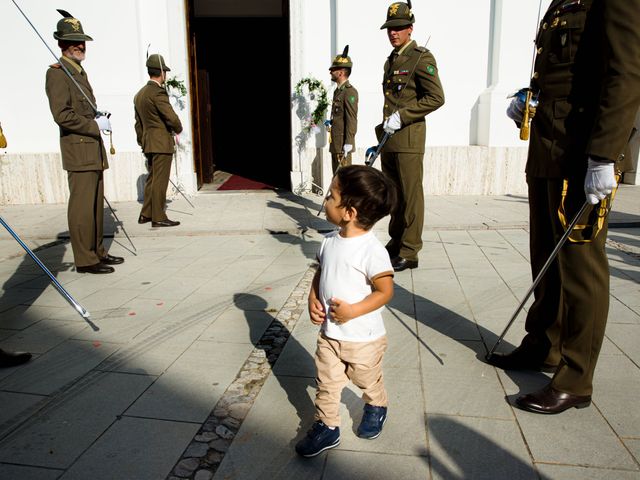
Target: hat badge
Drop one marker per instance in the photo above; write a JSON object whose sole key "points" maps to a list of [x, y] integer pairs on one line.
{"points": [[75, 23], [393, 9]]}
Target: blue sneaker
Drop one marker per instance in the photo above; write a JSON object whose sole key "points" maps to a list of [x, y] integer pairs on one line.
{"points": [[372, 422], [318, 439]]}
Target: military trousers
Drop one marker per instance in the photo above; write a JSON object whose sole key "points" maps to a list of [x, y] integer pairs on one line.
{"points": [[568, 316], [85, 214], [155, 188], [339, 160], [405, 226]]}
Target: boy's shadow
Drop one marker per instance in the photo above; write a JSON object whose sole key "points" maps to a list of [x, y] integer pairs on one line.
{"points": [[291, 363]]}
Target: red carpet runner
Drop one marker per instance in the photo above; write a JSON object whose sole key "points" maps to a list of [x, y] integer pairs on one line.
{"points": [[236, 182]]}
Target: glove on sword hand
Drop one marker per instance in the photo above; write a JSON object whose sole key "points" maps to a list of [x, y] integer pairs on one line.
{"points": [[102, 119], [393, 123], [599, 181]]}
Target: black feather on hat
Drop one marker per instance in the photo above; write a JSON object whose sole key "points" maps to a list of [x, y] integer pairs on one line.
{"points": [[345, 52], [64, 13]]}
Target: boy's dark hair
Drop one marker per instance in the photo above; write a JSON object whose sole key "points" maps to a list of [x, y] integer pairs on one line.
{"points": [[367, 190], [154, 72]]}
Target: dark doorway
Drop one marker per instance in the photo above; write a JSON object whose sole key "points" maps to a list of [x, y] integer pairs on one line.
{"points": [[245, 61]]}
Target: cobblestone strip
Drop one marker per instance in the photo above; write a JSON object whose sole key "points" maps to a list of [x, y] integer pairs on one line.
{"points": [[204, 454]]}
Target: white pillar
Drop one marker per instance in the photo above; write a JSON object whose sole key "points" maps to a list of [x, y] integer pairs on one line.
{"points": [[511, 44]]}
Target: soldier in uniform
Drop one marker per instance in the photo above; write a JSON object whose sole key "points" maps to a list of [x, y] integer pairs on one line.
{"points": [[587, 78], [344, 112], [156, 123], [412, 90], [81, 147]]}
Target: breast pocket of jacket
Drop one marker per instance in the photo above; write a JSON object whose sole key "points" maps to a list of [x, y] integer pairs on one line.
{"points": [[398, 83], [565, 37], [337, 108], [85, 109]]}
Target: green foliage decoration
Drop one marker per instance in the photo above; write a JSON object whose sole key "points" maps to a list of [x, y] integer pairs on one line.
{"points": [[177, 85], [317, 92]]}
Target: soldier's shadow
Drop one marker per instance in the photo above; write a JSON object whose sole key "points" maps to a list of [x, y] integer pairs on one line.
{"points": [[27, 283]]}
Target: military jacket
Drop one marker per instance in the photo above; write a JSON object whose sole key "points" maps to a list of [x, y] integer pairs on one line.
{"points": [[81, 146], [156, 121], [414, 96], [587, 73], [344, 117]]}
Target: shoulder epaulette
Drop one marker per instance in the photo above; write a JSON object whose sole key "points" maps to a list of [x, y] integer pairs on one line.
{"points": [[421, 49], [55, 65]]}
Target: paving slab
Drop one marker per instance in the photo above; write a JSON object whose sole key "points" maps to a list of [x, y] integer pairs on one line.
{"points": [[566, 472], [58, 367], [58, 434], [599, 445], [478, 448], [133, 448], [28, 473], [345, 465]]}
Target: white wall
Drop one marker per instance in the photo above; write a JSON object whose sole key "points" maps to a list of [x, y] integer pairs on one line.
{"points": [[483, 49], [115, 64]]}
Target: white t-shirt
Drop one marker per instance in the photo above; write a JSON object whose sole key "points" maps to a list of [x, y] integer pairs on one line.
{"points": [[347, 265]]}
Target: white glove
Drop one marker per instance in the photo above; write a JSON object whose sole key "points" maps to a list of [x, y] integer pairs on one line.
{"points": [[103, 123], [515, 110], [599, 181], [393, 123], [346, 148]]}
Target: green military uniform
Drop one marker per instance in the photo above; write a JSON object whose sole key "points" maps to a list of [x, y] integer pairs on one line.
{"points": [[155, 123], [588, 79], [82, 150], [413, 95], [344, 123]]}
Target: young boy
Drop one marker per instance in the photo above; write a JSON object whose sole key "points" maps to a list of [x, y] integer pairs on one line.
{"points": [[352, 284]]}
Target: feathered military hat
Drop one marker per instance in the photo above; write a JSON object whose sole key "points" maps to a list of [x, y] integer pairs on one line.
{"points": [[343, 60], [399, 14], [69, 29]]}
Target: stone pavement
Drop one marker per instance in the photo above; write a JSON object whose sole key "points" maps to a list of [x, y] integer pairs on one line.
{"points": [[202, 366]]}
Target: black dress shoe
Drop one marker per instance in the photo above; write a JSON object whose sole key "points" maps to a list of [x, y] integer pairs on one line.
{"points": [[165, 223], [97, 268], [111, 260], [399, 264], [550, 401], [521, 359], [12, 359], [143, 219]]}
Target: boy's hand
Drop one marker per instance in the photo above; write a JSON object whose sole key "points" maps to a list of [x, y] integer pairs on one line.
{"points": [[341, 311], [316, 311]]}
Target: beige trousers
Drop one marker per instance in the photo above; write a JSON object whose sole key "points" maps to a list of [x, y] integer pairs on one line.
{"points": [[337, 362]]}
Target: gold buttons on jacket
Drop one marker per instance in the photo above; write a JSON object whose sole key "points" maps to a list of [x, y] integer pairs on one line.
{"points": [[539, 51], [535, 75], [545, 26]]}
